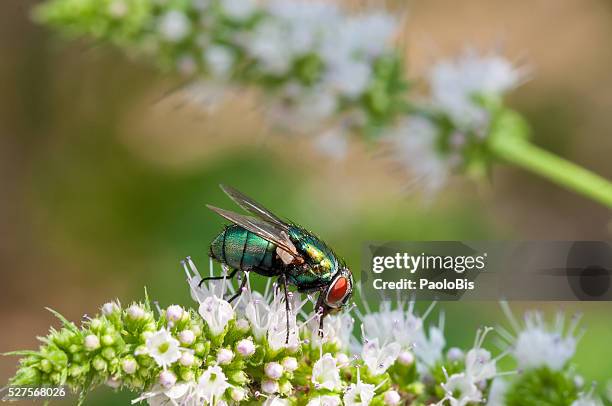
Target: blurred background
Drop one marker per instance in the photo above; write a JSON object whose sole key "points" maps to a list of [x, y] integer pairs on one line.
{"points": [[105, 171]]}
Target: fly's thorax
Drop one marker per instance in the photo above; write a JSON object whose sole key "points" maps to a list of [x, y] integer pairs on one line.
{"points": [[320, 257]]}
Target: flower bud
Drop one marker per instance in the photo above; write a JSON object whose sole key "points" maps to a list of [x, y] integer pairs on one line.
{"points": [[242, 325], [141, 350], [187, 375], [167, 379], [405, 358], [109, 353], [240, 377], [245, 347], [113, 383], [98, 363], [174, 313], [285, 387], [109, 308], [186, 337], [73, 349], [392, 398], [269, 386], [224, 356], [107, 339], [46, 366], [199, 348], [237, 394], [273, 370], [187, 359], [129, 366], [290, 364], [135, 312], [454, 354], [92, 342], [197, 330], [95, 324]]}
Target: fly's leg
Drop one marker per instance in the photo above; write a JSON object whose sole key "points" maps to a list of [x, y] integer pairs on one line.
{"points": [[287, 306], [241, 289], [320, 309], [217, 278]]}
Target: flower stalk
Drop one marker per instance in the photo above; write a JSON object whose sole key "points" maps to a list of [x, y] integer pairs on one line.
{"points": [[530, 157]]}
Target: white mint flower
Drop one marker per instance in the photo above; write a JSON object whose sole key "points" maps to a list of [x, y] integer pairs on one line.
{"points": [[267, 44], [325, 373], [539, 344], [350, 78], [461, 390], [428, 349], [178, 394], [587, 399], [379, 359], [497, 392], [413, 143], [163, 348], [257, 312], [174, 26], [456, 83], [238, 9], [276, 401], [326, 400], [217, 313], [337, 329], [455, 354], [212, 384], [478, 363], [359, 394], [220, 60]]}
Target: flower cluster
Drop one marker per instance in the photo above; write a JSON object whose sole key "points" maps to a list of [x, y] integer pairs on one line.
{"points": [[317, 65], [330, 73], [241, 352]]}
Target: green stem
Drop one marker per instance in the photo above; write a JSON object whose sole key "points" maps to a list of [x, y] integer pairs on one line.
{"points": [[528, 156]]}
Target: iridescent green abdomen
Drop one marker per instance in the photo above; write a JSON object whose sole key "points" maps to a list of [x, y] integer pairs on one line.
{"points": [[243, 250]]}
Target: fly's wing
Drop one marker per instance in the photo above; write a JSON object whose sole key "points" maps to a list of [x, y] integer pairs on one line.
{"points": [[253, 207], [268, 231]]}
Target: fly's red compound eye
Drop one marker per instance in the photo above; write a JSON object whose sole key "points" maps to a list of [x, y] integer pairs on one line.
{"points": [[337, 291]]}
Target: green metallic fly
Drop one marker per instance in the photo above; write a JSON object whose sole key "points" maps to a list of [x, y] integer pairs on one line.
{"points": [[271, 247]]}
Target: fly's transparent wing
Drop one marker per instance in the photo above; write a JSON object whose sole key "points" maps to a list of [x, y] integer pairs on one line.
{"points": [[252, 206], [268, 231]]}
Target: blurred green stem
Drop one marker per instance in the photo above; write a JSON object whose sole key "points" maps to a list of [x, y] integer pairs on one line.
{"points": [[528, 156]]}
